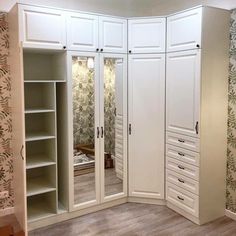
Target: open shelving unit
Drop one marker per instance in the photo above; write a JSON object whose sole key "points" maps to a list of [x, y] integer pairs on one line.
{"points": [[42, 73]]}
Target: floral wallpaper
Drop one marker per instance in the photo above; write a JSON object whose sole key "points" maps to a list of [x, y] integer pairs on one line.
{"points": [[83, 102], [6, 165], [231, 153], [109, 105]]}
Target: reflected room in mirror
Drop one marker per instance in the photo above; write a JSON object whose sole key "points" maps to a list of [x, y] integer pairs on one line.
{"points": [[84, 105]]}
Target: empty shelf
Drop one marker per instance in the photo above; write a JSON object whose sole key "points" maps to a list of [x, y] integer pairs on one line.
{"points": [[38, 136], [38, 161], [44, 81], [39, 210], [38, 185], [38, 110]]}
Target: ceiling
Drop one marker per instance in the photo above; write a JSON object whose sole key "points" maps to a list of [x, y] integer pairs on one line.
{"points": [[125, 7]]}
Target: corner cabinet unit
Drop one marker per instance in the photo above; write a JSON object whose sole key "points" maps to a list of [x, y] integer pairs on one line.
{"points": [[94, 128], [196, 113]]}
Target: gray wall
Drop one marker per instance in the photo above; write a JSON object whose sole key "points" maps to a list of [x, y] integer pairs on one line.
{"points": [[124, 7]]}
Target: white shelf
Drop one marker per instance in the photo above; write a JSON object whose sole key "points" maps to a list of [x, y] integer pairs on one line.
{"points": [[38, 136], [36, 161], [39, 210], [38, 110], [45, 81], [38, 185]]}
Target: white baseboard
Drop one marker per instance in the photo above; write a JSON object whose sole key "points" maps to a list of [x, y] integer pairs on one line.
{"points": [[7, 211], [230, 214]]}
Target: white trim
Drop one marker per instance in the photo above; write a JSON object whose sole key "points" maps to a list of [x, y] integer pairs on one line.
{"points": [[230, 214], [6, 211]]}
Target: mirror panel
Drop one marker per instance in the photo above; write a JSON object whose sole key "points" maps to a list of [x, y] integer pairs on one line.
{"points": [[113, 126], [83, 85]]}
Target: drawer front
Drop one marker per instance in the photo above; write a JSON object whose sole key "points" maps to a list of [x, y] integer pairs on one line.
{"points": [[182, 168], [184, 155], [183, 199], [183, 141], [182, 181]]}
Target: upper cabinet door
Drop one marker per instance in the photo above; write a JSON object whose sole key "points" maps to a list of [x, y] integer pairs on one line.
{"points": [[147, 35], [183, 92], [82, 32], [184, 30], [42, 27], [113, 34]]}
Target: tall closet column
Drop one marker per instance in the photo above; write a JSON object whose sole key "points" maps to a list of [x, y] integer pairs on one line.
{"points": [[146, 109]]}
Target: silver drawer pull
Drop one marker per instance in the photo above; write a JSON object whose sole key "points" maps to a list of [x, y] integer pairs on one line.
{"points": [[181, 167], [180, 198], [181, 140], [181, 181], [181, 154]]}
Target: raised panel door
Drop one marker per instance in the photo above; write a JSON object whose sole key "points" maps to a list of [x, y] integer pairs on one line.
{"points": [[183, 92]]}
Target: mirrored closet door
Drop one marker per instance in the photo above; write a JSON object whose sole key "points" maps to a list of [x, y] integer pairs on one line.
{"points": [[98, 127], [113, 119], [84, 155]]}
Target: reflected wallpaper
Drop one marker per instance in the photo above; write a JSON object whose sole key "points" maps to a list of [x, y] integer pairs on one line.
{"points": [[83, 102], [231, 159]]}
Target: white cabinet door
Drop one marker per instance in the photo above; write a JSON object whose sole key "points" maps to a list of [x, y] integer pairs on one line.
{"points": [[147, 35], [82, 32], [113, 35], [42, 27], [184, 30], [183, 92], [146, 125]]}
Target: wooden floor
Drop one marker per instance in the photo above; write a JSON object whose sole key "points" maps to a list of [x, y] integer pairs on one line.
{"points": [[132, 219], [10, 220], [85, 186]]}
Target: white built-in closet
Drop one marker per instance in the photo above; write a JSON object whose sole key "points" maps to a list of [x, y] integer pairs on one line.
{"points": [[140, 102]]}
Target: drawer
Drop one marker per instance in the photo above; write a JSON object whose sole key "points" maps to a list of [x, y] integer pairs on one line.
{"points": [[182, 168], [183, 141], [182, 181], [183, 199], [183, 155]]}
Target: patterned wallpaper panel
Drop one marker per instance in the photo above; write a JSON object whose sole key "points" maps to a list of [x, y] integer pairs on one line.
{"points": [[231, 163], [109, 105], [6, 167], [83, 103]]}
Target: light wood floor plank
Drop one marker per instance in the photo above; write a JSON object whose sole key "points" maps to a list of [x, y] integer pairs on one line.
{"points": [[133, 219]]}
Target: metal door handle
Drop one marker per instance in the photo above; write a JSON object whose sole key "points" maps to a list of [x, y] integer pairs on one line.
{"points": [[196, 127], [181, 167], [181, 154], [180, 198], [130, 129], [181, 181], [102, 132], [98, 132], [21, 152], [181, 140]]}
